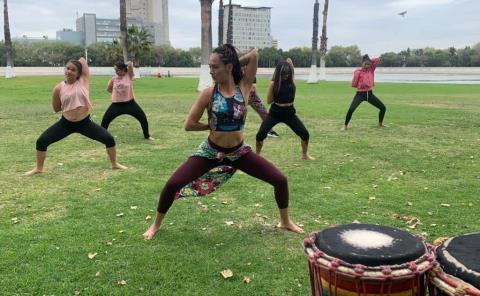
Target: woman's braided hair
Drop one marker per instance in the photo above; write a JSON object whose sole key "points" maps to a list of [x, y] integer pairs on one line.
{"points": [[228, 55]]}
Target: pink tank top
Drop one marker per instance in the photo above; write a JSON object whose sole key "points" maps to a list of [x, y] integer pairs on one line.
{"points": [[74, 95], [122, 90]]}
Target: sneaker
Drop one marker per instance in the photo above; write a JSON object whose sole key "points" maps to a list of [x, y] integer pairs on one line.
{"points": [[273, 134]]}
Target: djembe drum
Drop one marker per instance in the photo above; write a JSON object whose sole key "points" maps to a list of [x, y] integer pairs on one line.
{"points": [[365, 259], [458, 267]]}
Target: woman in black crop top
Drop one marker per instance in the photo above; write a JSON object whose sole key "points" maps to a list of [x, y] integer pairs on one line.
{"points": [[224, 147], [281, 92]]}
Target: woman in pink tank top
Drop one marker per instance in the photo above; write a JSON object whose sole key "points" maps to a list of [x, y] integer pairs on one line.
{"points": [[123, 100], [71, 97]]}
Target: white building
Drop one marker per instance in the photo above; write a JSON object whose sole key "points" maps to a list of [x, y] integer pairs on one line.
{"points": [[251, 26], [154, 16]]}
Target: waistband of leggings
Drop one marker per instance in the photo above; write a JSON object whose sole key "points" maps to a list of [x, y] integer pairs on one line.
{"points": [[223, 149]]}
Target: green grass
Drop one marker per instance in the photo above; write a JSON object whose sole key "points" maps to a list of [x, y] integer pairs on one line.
{"points": [[427, 156]]}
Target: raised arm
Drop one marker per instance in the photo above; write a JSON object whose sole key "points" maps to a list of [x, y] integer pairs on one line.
{"points": [[250, 63], [192, 122], [56, 102], [375, 62], [130, 69], [290, 62], [85, 70]]}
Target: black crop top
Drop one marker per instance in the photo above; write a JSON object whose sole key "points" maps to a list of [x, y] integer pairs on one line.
{"points": [[286, 94]]}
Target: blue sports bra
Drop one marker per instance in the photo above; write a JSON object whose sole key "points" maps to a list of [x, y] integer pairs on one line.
{"points": [[226, 114]]}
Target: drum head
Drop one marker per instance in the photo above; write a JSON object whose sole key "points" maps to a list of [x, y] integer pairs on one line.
{"points": [[370, 245], [460, 257]]}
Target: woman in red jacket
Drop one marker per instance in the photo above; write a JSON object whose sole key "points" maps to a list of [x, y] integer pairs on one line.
{"points": [[364, 80]]}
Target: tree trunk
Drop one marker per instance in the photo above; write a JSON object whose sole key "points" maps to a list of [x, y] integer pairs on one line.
{"points": [[206, 18], [323, 41], [123, 30], [220, 23], [312, 78], [230, 23], [9, 72]]}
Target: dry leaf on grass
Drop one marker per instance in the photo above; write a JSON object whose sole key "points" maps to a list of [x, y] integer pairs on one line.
{"points": [[445, 205], [15, 220], [119, 215], [122, 282], [133, 207], [227, 273], [91, 255], [98, 273], [148, 217], [439, 240], [229, 222], [247, 280]]}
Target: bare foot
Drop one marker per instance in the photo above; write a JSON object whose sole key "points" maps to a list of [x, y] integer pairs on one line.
{"points": [[33, 172], [344, 128], [307, 157], [150, 232], [118, 166], [290, 226], [381, 125]]}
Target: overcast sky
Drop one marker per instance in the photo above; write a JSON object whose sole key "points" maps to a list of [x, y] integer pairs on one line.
{"points": [[373, 25]]}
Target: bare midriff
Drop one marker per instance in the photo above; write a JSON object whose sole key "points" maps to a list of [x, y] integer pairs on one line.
{"points": [[226, 139], [76, 114]]}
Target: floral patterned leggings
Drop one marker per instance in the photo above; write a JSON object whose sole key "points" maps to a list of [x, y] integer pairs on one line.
{"points": [[257, 105], [250, 163]]}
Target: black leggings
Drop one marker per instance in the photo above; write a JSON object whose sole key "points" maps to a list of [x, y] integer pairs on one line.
{"points": [[286, 115], [251, 163], [368, 96], [64, 127], [131, 108]]}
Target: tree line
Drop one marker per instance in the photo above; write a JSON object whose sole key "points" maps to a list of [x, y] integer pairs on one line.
{"points": [[56, 54]]}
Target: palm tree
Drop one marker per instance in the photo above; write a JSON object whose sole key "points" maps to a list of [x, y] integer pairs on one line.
{"points": [[123, 30], [230, 23], [323, 42], [139, 41], [220, 23], [312, 78], [9, 72], [206, 34]]}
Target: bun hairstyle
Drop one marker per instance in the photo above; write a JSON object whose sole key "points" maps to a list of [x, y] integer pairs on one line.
{"points": [[79, 67], [228, 55], [365, 58], [282, 69], [121, 66]]}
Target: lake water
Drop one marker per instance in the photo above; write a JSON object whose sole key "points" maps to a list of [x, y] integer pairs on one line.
{"points": [[408, 78]]}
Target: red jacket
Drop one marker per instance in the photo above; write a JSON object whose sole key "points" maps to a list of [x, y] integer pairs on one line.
{"points": [[364, 80]]}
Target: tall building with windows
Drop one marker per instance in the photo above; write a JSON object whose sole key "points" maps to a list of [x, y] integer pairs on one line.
{"points": [[101, 29], [251, 26], [154, 16]]}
